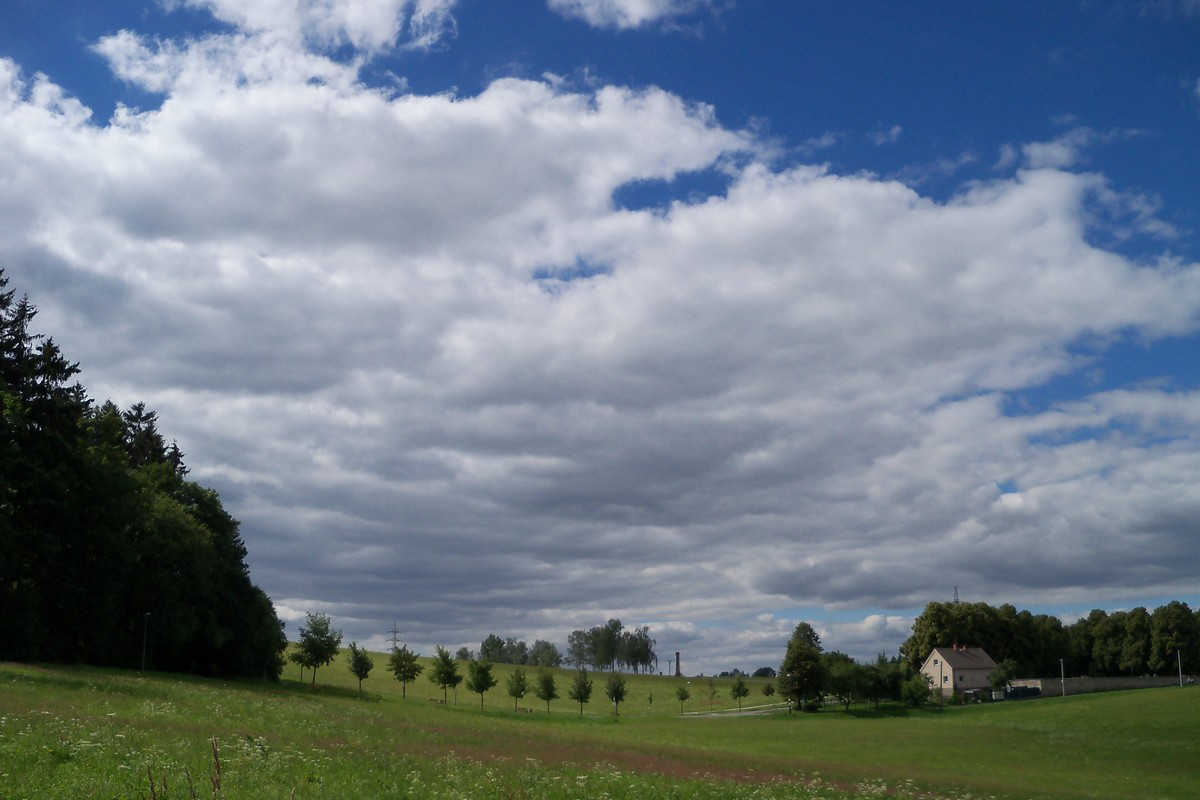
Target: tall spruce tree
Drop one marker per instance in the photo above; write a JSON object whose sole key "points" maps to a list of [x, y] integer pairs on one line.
{"points": [[802, 674]]}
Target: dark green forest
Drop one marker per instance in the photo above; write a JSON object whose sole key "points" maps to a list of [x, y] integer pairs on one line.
{"points": [[1100, 645], [109, 555]]}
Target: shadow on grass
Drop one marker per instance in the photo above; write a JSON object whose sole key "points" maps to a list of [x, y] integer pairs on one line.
{"points": [[883, 712], [306, 689], [149, 684]]}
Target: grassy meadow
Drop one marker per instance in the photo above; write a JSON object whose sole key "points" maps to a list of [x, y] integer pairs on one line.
{"points": [[76, 732]]}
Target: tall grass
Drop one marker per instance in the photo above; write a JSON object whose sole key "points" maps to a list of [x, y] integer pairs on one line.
{"points": [[78, 732]]}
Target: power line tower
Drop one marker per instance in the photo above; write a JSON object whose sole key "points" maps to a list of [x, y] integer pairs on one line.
{"points": [[395, 632], [955, 595]]}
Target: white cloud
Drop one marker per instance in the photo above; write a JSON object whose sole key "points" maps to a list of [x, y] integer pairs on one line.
{"points": [[367, 25], [1061, 153], [791, 394], [632, 13], [919, 174], [815, 144], [890, 136], [1069, 149]]}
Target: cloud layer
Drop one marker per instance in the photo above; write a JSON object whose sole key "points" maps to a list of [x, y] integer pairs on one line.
{"points": [[442, 377]]}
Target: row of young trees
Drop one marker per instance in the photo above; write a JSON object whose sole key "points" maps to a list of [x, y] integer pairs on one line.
{"points": [[108, 554], [611, 646], [444, 673], [319, 644], [1101, 645]]}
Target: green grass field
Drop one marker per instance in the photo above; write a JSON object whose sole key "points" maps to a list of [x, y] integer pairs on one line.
{"points": [[90, 733]]}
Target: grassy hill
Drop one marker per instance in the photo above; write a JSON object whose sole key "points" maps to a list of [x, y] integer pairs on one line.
{"points": [[82, 732]]}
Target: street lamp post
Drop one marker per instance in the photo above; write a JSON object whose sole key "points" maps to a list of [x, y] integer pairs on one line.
{"points": [[145, 627], [1062, 676], [1179, 659]]}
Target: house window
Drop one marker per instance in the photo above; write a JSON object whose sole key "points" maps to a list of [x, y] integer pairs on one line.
{"points": [[945, 678]]}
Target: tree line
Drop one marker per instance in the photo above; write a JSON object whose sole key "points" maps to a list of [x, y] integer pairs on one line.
{"points": [[109, 555], [1100, 645], [611, 646], [808, 674], [516, 651]]}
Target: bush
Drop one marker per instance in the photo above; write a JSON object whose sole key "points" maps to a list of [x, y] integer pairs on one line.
{"points": [[915, 691]]}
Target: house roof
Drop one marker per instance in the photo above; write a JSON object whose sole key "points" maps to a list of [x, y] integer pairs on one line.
{"points": [[963, 657]]}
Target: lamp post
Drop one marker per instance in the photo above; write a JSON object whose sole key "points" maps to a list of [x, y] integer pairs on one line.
{"points": [[1179, 659], [145, 627], [1062, 676]]}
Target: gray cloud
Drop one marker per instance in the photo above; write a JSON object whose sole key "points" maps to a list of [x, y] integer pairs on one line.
{"points": [[791, 396]]}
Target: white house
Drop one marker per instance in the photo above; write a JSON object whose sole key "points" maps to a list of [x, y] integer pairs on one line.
{"points": [[958, 669]]}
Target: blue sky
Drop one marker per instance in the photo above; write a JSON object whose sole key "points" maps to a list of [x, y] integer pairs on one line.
{"points": [[709, 315]]}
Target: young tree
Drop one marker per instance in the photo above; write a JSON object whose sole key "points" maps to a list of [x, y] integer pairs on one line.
{"points": [[480, 678], [711, 692], [361, 664], [319, 644], [444, 672], [801, 675], [546, 688], [581, 689], [738, 691], [883, 678], [682, 694], [768, 690], [517, 686], [403, 664], [843, 678], [1004, 672], [614, 690]]}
